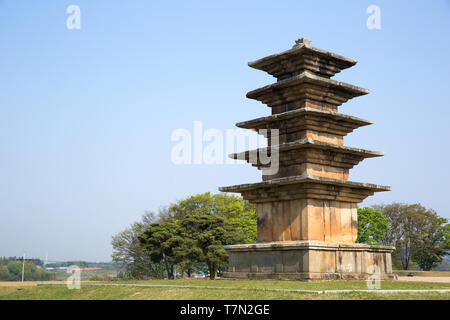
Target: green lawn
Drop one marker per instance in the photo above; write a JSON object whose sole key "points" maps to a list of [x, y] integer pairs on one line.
{"points": [[297, 284], [259, 289]]}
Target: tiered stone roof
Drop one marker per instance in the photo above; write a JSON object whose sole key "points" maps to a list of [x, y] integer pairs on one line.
{"points": [[313, 161], [303, 57]]}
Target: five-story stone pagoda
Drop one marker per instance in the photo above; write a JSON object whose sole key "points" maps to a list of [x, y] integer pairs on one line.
{"points": [[307, 211]]}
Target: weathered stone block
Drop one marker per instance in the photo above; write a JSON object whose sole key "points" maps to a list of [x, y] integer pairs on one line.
{"points": [[307, 219], [309, 260]]}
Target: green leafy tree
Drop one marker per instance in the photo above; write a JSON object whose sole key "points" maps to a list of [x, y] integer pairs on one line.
{"points": [[128, 251], [211, 232], [433, 245], [186, 252], [165, 239], [158, 241], [404, 229], [239, 212], [11, 270], [372, 226], [196, 204], [233, 208], [5, 275], [417, 233]]}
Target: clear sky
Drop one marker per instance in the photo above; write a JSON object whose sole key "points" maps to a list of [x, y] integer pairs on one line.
{"points": [[86, 116]]}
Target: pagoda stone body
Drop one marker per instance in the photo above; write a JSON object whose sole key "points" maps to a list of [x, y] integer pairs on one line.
{"points": [[307, 210]]}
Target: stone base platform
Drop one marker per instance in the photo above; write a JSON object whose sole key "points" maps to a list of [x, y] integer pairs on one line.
{"points": [[309, 260]]}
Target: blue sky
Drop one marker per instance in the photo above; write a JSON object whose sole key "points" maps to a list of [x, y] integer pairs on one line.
{"points": [[86, 116]]}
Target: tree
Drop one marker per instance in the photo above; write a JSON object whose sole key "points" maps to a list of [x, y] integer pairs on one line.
{"points": [[11, 270], [430, 248], [403, 230], [239, 212], [158, 242], [393, 212], [128, 250], [164, 239], [233, 208], [210, 233], [372, 226], [186, 252], [415, 232]]}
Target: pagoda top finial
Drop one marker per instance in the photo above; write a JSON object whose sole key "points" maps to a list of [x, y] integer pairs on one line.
{"points": [[303, 57], [302, 41]]}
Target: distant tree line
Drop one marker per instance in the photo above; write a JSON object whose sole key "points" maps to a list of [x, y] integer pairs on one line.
{"points": [[64, 264], [188, 236], [11, 270]]}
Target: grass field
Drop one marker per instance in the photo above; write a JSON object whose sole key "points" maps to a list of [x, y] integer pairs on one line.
{"points": [[226, 289]]}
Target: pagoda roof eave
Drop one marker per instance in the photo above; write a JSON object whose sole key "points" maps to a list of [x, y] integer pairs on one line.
{"points": [[308, 77], [262, 121], [306, 178], [308, 142], [296, 50]]}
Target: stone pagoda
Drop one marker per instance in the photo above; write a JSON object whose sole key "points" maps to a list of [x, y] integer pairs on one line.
{"points": [[307, 209]]}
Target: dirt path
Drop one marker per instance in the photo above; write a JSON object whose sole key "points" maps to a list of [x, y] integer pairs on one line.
{"points": [[426, 279]]}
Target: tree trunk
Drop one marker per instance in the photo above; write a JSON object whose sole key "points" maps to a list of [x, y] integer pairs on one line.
{"points": [[189, 271], [405, 257], [166, 264], [212, 271], [183, 273]]}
